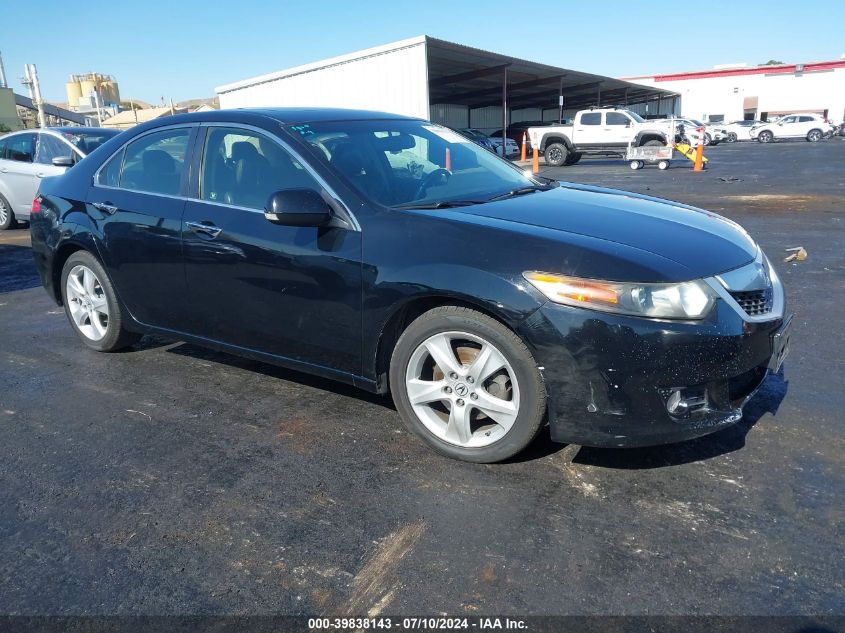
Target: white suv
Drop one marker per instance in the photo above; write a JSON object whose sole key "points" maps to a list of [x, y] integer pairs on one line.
{"points": [[808, 126]]}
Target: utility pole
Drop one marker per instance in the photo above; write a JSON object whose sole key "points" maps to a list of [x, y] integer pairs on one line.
{"points": [[30, 80], [3, 83], [97, 105]]}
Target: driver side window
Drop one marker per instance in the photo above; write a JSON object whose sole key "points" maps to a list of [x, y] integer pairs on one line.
{"points": [[242, 168]]}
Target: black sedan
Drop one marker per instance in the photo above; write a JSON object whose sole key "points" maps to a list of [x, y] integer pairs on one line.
{"points": [[395, 255]]}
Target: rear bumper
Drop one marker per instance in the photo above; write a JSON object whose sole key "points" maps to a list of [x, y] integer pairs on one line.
{"points": [[610, 378]]}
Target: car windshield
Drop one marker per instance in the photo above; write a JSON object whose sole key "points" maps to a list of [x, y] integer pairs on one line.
{"points": [[87, 142], [402, 163]]}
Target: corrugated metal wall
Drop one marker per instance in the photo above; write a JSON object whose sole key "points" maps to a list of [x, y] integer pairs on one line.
{"points": [[666, 105], [393, 81], [450, 115]]}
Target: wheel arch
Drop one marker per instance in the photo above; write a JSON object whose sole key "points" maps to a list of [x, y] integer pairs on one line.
{"points": [[63, 253], [645, 137], [556, 138], [404, 314]]}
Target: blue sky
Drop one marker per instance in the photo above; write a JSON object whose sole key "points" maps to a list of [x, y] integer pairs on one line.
{"points": [[184, 48]]}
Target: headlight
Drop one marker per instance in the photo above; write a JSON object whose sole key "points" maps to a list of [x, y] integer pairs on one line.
{"points": [[686, 300]]}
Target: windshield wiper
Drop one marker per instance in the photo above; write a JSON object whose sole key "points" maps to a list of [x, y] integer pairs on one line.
{"points": [[519, 192], [441, 204]]}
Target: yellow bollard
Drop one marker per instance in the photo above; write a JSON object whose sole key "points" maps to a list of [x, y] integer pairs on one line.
{"points": [[535, 163], [524, 141]]}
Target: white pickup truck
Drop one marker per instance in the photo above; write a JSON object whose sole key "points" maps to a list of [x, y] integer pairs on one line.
{"points": [[597, 131]]}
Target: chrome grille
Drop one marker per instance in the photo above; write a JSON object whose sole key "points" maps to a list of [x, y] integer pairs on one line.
{"points": [[754, 302]]}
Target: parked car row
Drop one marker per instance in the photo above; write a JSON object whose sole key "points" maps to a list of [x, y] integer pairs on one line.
{"points": [[811, 127]]}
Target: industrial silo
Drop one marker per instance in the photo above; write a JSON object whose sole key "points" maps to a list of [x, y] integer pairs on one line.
{"points": [[74, 91]]}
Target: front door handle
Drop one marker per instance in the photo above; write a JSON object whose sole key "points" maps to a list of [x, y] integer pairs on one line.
{"points": [[105, 207], [3, 170], [206, 229], [39, 174]]}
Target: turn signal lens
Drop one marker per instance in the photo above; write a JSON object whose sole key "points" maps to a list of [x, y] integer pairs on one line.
{"points": [[686, 300]]}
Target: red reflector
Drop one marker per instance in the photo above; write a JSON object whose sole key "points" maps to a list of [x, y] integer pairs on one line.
{"points": [[36, 206]]}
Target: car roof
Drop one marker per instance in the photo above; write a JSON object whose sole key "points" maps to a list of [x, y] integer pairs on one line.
{"points": [[81, 130], [282, 115]]}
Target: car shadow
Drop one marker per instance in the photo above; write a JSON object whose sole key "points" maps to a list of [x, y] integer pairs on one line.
{"points": [[17, 268], [267, 369], [728, 440]]}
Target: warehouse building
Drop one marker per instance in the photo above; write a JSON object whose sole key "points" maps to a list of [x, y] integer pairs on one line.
{"points": [[444, 82], [741, 92]]}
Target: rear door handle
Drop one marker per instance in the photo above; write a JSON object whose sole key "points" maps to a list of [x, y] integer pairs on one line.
{"points": [[39, 174], [105, 207], [3, 170], [206, 229]]}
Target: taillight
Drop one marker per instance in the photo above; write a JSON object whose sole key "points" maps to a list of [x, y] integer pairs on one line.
{"points": [[36, 206]]}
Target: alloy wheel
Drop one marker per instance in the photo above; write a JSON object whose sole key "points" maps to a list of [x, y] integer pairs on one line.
{"points": [[4, 213], [87, 302], [814, 136], [463, 389]]}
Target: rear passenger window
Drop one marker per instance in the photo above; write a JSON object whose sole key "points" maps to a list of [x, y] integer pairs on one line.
{"points": [[110, 174], [21, 147], [805, 119], [617, 118], [242, 168], [591, 118], [155, 162]]}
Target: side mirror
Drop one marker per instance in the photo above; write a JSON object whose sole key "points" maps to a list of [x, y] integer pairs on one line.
{"points": [[63, 161], [297, 207]]}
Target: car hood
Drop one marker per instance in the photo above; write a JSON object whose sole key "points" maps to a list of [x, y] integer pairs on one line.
{"points": [[700, 242]]}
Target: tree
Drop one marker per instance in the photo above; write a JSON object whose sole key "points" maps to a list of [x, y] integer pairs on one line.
{"points": [[771, 62], [4, 128]]}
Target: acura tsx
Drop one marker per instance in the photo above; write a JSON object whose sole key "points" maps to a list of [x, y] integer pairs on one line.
{"points": [[396, 255]]}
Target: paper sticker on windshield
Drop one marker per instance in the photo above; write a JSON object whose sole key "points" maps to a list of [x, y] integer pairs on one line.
{"points": [[446, 134]]}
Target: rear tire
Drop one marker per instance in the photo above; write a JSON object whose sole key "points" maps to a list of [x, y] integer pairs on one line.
{"points": [[814, 136], [765, 136], [573, 158], [663, 165], [7, 217], [556, 154], [91, 304], [654, 143], [636, 164], [477, 412], [707, 140]]}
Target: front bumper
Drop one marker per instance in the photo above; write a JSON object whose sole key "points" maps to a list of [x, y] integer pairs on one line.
{"points": [[610, 377]]}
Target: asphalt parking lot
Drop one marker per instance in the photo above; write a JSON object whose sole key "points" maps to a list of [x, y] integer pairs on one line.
{"points": [[174, 480]]}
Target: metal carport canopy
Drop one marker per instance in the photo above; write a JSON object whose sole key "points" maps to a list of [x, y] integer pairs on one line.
{"points": [[462, 75]]}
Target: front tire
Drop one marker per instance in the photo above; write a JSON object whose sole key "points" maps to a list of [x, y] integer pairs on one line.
{"points": [[732, 137], [91, 304], [7, 217], [765, 136], [814, 136], [556, 154], [467, 385]]}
